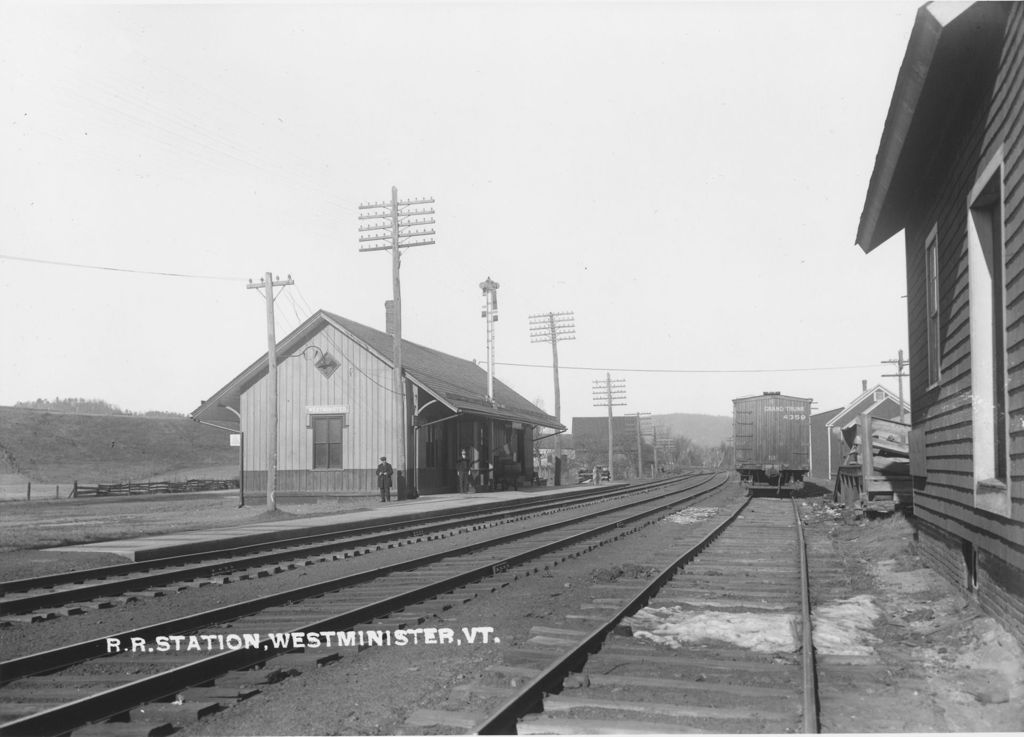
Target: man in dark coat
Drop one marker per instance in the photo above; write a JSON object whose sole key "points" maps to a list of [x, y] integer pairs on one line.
{"points": [[384, 472], [462, 468]]}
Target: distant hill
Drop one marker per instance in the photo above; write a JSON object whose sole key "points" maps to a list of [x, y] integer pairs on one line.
{"points": [[706, 430], [58, 447]]}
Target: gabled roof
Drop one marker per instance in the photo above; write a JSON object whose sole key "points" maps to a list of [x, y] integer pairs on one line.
{"points": [[865, 403], [459, 384], [951, 51]]}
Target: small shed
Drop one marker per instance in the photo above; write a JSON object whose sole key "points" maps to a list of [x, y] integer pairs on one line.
{"points": [[832, 431], [336, 414]]}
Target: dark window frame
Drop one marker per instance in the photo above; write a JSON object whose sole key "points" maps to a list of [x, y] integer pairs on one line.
{"points": [[328, 452]]}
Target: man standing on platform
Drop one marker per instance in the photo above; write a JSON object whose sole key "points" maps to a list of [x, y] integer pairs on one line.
{"points": [[384, 472], [462, 468]]}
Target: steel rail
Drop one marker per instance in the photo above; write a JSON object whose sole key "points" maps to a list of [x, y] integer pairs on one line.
{"points": [[118, 699], [224, 564], [531, 695], [70, 654], [810, 682], [443, 517]]}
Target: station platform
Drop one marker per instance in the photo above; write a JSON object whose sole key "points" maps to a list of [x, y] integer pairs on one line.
{"points": [[421, 509]]}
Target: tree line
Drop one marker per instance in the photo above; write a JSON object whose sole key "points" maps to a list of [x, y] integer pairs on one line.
{"points": [[81, 405]]}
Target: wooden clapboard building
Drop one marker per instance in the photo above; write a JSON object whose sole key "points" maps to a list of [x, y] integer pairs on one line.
{"points": [[949, 172], [336, 414]]}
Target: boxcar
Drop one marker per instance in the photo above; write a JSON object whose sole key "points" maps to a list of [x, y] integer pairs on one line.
{"points": [[771, 436]]}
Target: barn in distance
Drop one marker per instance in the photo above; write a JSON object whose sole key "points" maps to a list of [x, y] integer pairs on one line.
{"points": [[949, 173], [336, 414]]}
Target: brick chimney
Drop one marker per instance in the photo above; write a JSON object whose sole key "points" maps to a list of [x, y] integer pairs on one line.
{"points": [[389, 318], [863, 382]]}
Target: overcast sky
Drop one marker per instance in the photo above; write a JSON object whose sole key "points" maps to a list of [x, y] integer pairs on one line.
{"points": [[686, 177]]}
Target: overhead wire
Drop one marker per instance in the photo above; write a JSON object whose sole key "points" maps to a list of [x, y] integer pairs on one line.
{"points": [[337, 348], [53, 262], [690, 371]]}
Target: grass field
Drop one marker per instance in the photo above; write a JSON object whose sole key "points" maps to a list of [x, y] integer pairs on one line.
{"points": [[59, 448]]}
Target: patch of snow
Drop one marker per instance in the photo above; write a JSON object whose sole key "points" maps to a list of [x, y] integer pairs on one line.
{"points": [[844, 627], [674, 626], [692, 515]]}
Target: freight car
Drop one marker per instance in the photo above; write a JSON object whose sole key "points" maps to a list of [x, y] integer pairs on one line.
{"points": [[771, 437]]}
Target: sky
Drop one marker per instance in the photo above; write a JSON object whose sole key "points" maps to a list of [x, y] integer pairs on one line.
{"points": [[685, 177]]}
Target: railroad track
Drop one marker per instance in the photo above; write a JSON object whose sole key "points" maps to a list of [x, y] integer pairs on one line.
{"points": [[55, 691], [718, 641], [38, 599]]}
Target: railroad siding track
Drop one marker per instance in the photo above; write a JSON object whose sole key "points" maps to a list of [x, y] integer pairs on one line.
{"points": [[391, 596], [615, 679], [858, 691], [752, 569]]}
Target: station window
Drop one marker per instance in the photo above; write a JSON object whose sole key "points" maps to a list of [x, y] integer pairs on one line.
{"points": [[327, 434], [986, 267], [931, 256]]}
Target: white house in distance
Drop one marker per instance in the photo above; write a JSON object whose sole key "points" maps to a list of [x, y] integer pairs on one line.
{"points": [[829, 429], [336, 414]]}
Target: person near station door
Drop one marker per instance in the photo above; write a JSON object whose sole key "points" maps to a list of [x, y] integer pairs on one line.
{"points": [[462, 469], [384, 473]]}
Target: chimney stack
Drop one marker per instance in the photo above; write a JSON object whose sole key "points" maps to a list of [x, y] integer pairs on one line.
{"points": [[389, 318], [863, 385]]}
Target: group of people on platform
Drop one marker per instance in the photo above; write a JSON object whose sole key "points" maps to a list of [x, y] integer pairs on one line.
{"points": [[463, 469]]}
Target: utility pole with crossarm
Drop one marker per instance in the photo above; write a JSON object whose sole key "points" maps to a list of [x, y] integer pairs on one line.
{"points": [[267, 285], [396, 225], [609, 393], [900, 365], [551, 327]]}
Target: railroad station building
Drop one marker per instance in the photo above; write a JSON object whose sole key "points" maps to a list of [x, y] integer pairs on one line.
{"points": [[831, 430], [949, 174], [337, 415]]}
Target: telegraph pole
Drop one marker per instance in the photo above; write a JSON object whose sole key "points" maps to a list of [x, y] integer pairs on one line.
{"points": [[609, 394], [665, 443], [900, 365], [639, 445], [551, 327], [267, 285], [490, 313], [396, 225], [654, 448]]}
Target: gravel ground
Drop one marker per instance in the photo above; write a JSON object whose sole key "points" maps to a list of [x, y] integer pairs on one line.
{"points": [[375, 691], [967, 670], [968, 667]]}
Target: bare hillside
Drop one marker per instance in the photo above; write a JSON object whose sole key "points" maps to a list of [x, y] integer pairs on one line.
{"points": [[53, 447]]}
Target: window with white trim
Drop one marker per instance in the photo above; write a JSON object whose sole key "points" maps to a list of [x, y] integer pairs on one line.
{"points": [[986, 267], [327, 436], [931, 256]]}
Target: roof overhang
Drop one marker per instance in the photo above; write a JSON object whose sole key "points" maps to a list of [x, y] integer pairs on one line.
{"points": [[223, 406], [882, 216]]}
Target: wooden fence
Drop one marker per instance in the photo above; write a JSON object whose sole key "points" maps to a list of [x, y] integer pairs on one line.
{"points": [[151, 487]]}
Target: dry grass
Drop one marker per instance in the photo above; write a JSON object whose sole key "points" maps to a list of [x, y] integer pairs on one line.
{"points": [[44, 523]]}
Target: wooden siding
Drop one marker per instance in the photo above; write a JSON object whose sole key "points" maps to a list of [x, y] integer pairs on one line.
{"points": [[944, 411], [361, 383]]}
